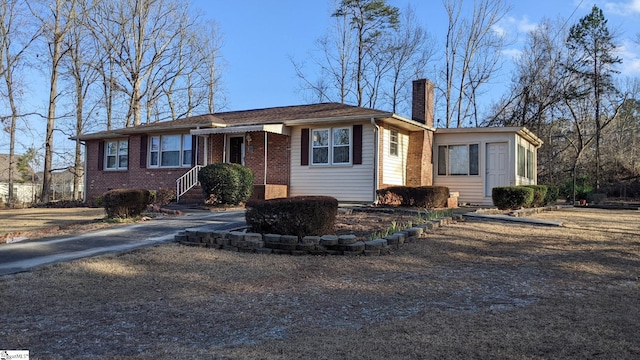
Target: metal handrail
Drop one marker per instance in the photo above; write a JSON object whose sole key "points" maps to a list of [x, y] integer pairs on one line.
{"points": [[187, 181]]}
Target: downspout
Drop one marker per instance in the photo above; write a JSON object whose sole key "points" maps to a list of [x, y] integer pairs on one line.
{"points": [[84, 175], [376, 171], [224, 148], [265, 160]]}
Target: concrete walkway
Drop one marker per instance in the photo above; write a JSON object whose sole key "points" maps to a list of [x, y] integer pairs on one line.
{"points": [[477, 216], [24, 256]]}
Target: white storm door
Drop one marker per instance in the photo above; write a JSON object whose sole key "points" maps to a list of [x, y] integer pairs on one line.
{"points": [[496, 168]]}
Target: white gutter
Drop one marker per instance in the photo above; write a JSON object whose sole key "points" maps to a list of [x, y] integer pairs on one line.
{"points": [[273, 128], [376, 170], [333, 119]]}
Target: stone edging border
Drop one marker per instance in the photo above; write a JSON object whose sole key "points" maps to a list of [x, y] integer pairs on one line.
{"points": [[347, 245]]}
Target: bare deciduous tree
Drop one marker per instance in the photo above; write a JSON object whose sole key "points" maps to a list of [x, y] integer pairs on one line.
{"points": [[14, 42], [56, 17], [472, 49]]}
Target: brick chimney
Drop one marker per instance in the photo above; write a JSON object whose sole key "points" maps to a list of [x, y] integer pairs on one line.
{"points": [[422, 104]]}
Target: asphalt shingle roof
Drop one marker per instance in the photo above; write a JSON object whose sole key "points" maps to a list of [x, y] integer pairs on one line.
{"points": [[248, 117]]}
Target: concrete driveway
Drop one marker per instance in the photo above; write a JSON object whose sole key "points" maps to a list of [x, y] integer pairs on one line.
{"points": [[24, 256]]}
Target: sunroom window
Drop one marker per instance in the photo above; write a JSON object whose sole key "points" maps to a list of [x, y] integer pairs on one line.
{"points": [[458, 160]]}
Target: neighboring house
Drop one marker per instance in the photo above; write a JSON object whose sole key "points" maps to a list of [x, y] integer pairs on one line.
{"points": [[62, 184], [320, 149], [25, 187]]}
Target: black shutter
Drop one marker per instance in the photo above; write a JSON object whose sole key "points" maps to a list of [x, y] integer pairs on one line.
{"points": [[194, 150], [101, 155], [143, 151], [357, 144], [304, 147]]}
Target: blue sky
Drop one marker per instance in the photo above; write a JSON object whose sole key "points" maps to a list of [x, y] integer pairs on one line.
{"points": [[259, 37]]}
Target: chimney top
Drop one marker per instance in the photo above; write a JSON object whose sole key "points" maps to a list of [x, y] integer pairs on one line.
{"points": [[422, 102]]}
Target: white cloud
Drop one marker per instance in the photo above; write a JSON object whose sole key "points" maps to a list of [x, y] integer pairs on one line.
{"points": [[624, 8], [512, 54], [630, 59], [512, 26]]}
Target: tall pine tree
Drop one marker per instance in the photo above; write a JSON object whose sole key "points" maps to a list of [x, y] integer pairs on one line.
{"points": [[592, 62]]}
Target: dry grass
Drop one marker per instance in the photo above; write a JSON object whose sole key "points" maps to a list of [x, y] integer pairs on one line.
{"points": [[470, 290], [40, 222]]}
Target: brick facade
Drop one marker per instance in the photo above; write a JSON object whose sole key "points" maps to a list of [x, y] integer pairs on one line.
{"points": [[101, 181], [135, 176], [419, 159]]}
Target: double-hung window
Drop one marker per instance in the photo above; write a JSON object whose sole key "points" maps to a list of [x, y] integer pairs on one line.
{"points": [[170, 150], [117, 155], [457, 160], [331, 146], [393, 142]]}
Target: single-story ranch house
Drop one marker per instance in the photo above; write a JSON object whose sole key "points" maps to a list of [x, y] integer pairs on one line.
{"points": [[320, 149]]}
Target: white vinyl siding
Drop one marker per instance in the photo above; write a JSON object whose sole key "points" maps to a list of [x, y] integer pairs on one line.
{"points": [[346, 182], [394, 168]]}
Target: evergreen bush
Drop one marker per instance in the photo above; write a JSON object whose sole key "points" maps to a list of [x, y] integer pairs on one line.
{"points": [[552, 195], [300, 215], [228, 183], [125, 203], [539, 195], [420, 196], [512, 197]]}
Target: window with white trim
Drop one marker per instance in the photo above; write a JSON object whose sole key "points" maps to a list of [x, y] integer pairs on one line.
{"points": [[458, 160], [116, 154], [393, 142], [170, 151], [525, 162], [331, 146]]}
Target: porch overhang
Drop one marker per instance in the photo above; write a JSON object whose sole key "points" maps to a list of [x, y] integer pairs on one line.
{"points": [[270, 128]]}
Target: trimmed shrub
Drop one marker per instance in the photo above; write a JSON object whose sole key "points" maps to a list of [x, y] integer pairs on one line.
{"points": [[301, 215], [539, 195], [227, 183], [552, 195], [125, 203], [164, 197], [512, 197], [583, 189], [420, 196]]}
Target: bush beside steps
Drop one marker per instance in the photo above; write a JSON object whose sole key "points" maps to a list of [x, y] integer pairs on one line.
{"points": [[347, 245]]}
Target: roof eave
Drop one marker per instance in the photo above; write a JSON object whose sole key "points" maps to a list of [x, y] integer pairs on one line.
{"points": [[331, 119], [413, 122]]}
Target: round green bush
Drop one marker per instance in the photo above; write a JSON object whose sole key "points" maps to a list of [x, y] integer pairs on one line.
{"points": [[125, 203], [229, 183], [539, 195], [512, 197]]}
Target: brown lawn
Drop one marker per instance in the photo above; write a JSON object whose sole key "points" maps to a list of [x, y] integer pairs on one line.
{"points": [[39, 222], [469, 290]]}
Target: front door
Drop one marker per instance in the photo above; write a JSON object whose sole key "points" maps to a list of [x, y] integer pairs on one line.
{"points": [[236, 149], [496, 173]]}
